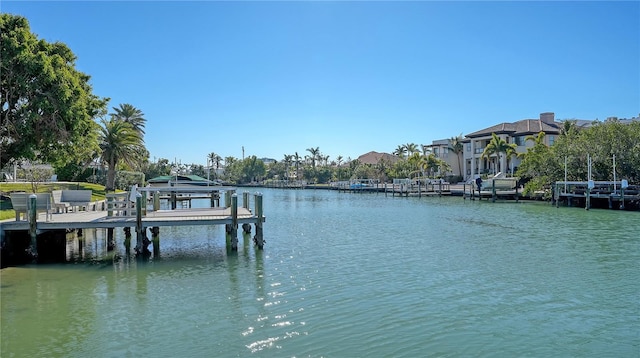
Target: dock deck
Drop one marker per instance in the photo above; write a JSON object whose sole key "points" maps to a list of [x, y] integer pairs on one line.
{"points": [[99, 219]]}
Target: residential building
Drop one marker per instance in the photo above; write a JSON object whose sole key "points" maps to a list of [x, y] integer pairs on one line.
{"points": [[441, 149], [514, 132]]}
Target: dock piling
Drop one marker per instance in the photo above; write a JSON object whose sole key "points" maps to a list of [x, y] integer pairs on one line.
{"points": [[33, 216], [234, 222], [258, 239]]}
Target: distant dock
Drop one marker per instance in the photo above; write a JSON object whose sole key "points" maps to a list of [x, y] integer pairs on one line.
{"points": [[601, 194]]}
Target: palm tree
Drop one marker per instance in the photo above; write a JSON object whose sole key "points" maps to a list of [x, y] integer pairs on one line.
{"points": [[132, 115], [119, 141], [400, 151], [296, 158], [339, 161], [315, 154], [497, 146], [456, 146], [287, 163], [425, 149], [214, 158], [411, 148]]}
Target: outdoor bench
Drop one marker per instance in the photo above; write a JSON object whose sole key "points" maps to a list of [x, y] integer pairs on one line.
{"points": [[65, 199], [20, 203]]}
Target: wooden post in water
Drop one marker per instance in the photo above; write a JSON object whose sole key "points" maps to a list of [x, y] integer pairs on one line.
{"points": [[493, 191], [590, 186], [33, 217], [155, 238], [258, 239], [227, 198], [127, 240], [516, 191], [245, 200], [234, 222], [156, 201], [144, 203], [140, 232]]}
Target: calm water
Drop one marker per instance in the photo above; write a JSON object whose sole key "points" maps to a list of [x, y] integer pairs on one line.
{"points": [[347, 275]]}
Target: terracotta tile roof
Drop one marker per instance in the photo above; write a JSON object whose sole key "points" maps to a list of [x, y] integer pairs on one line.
{"points": [[522, 127], [374, 158]]}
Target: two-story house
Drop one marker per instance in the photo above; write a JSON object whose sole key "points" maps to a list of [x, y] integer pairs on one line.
{"points": [[516, 132]]}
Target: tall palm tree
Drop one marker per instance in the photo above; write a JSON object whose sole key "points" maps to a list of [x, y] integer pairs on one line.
{"points": [[400, 151], [119, 142], [315, 154], [130, 114], [339, 161], [497, 146], [425, 149], [456, 147], [287, 163], [411, 148], [296, 159], [214, 159]]}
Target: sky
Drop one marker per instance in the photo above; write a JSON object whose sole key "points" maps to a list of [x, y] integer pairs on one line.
{"points": [[347, 77]]}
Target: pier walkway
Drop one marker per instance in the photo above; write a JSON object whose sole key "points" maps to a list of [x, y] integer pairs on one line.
{"points": [[132, 210]]}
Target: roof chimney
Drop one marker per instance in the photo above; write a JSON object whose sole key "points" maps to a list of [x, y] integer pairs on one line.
{"points": [[547, 117]]}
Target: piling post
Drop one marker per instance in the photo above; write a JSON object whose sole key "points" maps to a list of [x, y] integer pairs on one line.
{"points": [[173, 199], [156, 201], [245, 200], [516, 191], [144, 203], [111, 243], [493, 191], [590, 185], [155, 238], [139, 229], [234, 222], [227, 198], [33, 216], [258, 239], [127, 240]]}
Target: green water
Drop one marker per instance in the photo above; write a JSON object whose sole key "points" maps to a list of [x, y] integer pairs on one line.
{"points": [[346, 275]]}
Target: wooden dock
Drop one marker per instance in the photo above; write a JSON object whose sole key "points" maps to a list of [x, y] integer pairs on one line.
{"points": [[605, 194], [120, 211]]}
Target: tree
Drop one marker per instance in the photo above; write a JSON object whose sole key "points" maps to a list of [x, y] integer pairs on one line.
{"points": [[497, 146], [411, 148], [47, 108], [119, 142], [314, 155], [296, 160], [400, 151], [457, 147], [131, 115]]}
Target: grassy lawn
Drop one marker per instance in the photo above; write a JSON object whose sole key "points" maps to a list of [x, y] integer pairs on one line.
{"points": [[97, 192]]}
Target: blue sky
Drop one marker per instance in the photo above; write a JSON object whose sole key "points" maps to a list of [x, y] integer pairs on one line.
{"points": [[347, 77]]}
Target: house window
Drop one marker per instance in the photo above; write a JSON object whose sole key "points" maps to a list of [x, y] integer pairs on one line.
{"points": [[552, 139], [445, 152], [435, 151], [519, 140], [468, 147]]}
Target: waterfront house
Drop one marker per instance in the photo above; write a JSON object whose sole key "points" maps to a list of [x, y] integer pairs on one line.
{"points": [[515, 132]]}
